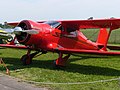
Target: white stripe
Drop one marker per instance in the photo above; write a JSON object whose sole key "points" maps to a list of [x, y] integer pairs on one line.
{"points": [[67, 83], [75, 83]]}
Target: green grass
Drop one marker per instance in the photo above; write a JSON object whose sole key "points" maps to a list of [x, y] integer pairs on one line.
{"points": [[92, 34], [80, 69]]}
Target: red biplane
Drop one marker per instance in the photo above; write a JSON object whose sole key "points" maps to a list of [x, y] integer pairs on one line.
{"points": [[63, 37]]}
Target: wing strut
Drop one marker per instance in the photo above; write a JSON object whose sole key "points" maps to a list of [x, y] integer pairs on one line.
{"points": [[105, 46]]}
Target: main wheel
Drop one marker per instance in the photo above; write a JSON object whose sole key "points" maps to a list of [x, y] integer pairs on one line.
{"points": [[26, 60], [57, 66]]}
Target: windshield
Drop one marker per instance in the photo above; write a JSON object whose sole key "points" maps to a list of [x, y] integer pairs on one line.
{"points": [[53, 24]]}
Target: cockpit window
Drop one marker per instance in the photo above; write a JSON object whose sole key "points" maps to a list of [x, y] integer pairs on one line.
{"points": [[53, 24]]}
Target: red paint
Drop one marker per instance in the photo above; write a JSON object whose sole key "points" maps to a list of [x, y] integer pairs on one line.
{"points": [[66, 37]]}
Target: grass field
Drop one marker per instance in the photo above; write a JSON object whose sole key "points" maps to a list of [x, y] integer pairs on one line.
{"points": [[92, 34], [80, 69]]}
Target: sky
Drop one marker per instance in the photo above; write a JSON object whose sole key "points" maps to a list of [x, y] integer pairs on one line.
{"points": [[38, 10]]}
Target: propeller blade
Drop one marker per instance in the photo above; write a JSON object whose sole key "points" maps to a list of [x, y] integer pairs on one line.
{"points": [[18, 30], [31, 31], [8, 30]]}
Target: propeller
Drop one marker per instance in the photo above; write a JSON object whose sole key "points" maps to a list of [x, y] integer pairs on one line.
{"points": [[19, 30]]}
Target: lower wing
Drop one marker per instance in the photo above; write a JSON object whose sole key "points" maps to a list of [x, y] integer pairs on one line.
{"points": [[79, 51], [66, 51]]}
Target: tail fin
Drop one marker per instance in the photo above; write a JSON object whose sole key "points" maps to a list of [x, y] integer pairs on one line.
{"points": [[102, 36]]}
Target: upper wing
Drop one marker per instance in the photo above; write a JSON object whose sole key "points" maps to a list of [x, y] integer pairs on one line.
{"points": [[77, 24], [100, 23], [13, 24]]}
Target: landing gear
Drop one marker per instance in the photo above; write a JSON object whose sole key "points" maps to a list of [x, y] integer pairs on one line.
{"points": [[61, 61], [27, 58]]}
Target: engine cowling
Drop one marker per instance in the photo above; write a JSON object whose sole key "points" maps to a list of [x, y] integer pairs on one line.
{"points": [[24, 37]]}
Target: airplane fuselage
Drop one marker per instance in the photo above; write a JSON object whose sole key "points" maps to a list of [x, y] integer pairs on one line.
{"points": [[49, 37]]}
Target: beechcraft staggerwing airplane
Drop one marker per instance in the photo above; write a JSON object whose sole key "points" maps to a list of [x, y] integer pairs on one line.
{"points": [[63, 37]]}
